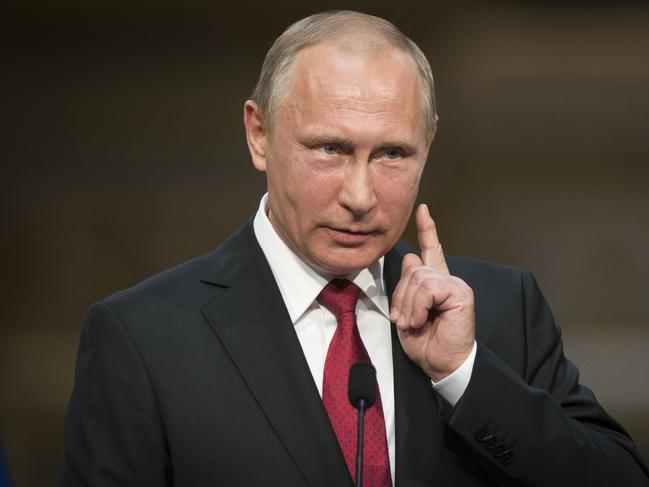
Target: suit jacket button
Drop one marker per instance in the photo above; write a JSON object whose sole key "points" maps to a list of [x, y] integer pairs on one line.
{"points": [[507, 457], [490, 442], [499, 450], [482, 434]]}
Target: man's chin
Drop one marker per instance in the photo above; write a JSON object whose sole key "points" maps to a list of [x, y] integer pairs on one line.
{"points": [[342, 263]]}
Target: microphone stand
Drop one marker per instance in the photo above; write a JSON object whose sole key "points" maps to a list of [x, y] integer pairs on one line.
{"points": [[362, 390], [359, 443]]}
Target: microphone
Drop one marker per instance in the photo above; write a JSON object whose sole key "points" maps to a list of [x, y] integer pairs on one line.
{"points": [[361, 392]]}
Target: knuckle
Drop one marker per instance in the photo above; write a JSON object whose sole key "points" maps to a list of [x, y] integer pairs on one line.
{"points": [[409, 271], [429, 286], [463, 288], [398, 293], [419, 276]]}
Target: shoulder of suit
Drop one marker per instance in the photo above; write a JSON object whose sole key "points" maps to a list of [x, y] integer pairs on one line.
{"points": [[489, 280], [191, 282], [466, 266]]}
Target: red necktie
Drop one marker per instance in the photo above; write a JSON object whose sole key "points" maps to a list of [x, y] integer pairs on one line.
{"points": [[346, 348]]}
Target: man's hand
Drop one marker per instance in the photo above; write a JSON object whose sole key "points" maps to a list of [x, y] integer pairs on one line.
{"points": [[433, 310]]}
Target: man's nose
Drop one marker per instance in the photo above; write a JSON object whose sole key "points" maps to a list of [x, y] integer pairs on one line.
{"points": [[357, 194]]}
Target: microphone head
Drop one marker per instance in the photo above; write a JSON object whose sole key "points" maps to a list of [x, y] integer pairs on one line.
{"points": [[362, 384]]}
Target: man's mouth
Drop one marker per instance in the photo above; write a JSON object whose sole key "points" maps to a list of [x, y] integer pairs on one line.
{"points": [[350, 237]]}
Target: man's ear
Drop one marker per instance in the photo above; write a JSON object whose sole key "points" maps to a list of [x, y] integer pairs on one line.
{"points": [[433, 132], [255, 134]]}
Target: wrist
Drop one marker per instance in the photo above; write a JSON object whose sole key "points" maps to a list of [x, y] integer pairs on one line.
{"points": [[438, 372]]}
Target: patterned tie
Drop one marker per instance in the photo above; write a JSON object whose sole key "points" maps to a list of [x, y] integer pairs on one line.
{"points": [[346, 348]]}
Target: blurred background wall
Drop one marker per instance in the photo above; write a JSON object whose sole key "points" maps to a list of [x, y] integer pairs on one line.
{"points": [[123, 153]]}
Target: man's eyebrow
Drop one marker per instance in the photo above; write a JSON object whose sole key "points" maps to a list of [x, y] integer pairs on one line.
{"points": [[325, 139], [316, 140], [345, 143], [403, 144]]}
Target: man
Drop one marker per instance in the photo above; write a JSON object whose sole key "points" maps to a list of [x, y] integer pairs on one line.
{"points": [[231, 369]]}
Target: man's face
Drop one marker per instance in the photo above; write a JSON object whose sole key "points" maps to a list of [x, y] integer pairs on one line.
{"points": [[345, 155]]}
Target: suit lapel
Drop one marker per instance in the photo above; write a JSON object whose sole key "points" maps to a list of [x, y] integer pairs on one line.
{"points": [[419, 431], [249, 317]]}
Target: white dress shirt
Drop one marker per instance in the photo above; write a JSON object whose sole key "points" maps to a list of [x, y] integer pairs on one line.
{"points": [[300, 285]]}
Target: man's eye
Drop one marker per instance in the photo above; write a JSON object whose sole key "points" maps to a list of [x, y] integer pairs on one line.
{"points": [[329, 149], [392, 154]]}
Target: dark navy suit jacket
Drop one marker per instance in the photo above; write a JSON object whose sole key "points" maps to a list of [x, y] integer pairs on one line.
{"points": [[195, 377]]}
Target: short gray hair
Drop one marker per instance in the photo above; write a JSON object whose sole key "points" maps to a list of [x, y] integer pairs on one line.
{"points": [[274, 79]]}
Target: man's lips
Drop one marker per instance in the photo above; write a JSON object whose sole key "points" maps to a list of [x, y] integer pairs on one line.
{"points": [[349, 237]]}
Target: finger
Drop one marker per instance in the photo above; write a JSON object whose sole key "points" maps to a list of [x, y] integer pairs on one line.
{"points": [[419, 298], [422, 303], [432, 295], [432, 253], [409, 261], [408, 297]]}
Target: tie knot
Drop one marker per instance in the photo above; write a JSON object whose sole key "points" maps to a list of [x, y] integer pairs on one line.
{"points": [[339, 296]]}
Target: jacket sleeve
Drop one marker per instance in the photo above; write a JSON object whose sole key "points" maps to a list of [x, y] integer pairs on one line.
{"points": [[113, 432], [538, 426]]}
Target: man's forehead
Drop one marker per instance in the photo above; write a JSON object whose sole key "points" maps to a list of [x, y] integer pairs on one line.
{"points": [[370, 52], [334, 88], [329, 68]]}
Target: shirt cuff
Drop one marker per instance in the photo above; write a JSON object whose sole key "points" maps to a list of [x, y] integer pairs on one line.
{"points": [[453, 386]]}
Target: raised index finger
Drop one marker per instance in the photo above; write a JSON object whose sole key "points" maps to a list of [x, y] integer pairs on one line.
{"points": [[432, 254]]}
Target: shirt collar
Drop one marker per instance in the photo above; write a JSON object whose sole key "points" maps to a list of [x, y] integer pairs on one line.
{"points": [[300, 284]]}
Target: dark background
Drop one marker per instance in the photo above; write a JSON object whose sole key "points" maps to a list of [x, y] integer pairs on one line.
{"points": [[123, 153]]}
